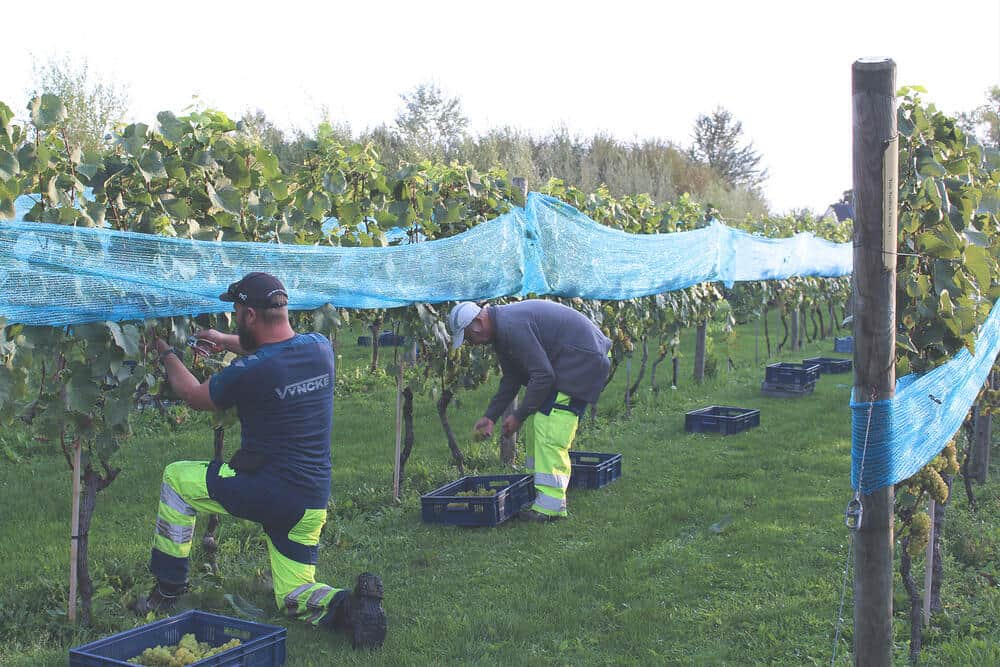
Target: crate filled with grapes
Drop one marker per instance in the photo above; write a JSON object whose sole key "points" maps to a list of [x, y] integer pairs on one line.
{"points": [[195, 638]]}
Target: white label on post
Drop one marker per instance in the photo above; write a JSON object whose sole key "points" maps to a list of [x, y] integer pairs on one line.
{"points": [[890, 196]]}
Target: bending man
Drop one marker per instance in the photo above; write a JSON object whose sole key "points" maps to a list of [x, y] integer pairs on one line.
{"points": [[562, 359], [280, 477]]}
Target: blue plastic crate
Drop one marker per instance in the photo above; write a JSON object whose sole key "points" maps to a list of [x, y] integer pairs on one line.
{"points": [[722, 419], [845, 345], [444, 505], [782, 390], [260, 645], [592, 470], [791, 374], [829, 364]]}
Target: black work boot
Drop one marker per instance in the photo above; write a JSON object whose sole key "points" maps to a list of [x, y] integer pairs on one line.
{"points": [[537, 517], [160, 599], [367, 618]]}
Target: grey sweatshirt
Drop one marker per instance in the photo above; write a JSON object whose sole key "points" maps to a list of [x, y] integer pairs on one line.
{"points": [[546, 347]]}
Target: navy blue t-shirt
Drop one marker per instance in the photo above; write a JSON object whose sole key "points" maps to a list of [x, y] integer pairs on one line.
{"points": [[283, 393]]}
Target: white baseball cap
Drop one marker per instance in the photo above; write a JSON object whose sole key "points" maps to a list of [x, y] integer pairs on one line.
{"points": [[460, 317]]}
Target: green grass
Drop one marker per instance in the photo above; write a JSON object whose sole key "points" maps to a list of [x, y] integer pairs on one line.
{"points": [[709, 550]]}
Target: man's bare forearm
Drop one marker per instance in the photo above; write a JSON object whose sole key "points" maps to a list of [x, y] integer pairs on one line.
{"points": [[181, 380], [232, 343]]}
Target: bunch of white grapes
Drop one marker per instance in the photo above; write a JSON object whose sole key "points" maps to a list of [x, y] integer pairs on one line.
{"points": [[189, 650]]}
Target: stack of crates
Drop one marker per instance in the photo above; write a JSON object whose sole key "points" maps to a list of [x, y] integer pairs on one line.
{"points": [[789, 380]]}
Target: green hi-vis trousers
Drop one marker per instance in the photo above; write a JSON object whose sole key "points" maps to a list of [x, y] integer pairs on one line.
{"points": [[547, 441], [293, 532]]}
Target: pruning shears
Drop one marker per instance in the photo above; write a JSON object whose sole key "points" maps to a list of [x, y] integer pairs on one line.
{"points": [[201, 346]]}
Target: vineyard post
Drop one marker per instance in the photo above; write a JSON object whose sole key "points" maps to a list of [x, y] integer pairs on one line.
{"points": [[74, 530], [794, 345], [929, 567], [982, 436], [875, 170], [399, 431], [508, 443], [699, 351]]}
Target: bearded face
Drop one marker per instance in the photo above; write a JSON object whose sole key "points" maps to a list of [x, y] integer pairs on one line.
{"points": [[247, 339]]}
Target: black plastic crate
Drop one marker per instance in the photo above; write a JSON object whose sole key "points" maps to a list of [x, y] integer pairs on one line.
{"points": [[721, 419], [845, 345], [260, 645], [389, 339], [788, 373], [592, 470], [782, 390], [829, 364], [444, 505]]}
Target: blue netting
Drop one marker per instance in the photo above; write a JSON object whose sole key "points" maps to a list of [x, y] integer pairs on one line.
{"points": [[57, 275], [910, 429]]}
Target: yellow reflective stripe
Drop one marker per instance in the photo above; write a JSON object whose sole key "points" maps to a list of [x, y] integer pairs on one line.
{"points": [[171, 548], [318, 596], [225, 471], [173, 532], [292, 599], [552, 479], [171, 515], [547, 504], [309, 527], [173, 500]]}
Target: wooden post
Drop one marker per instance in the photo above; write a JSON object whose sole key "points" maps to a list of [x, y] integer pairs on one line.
{"points": [[982, 434], [699, 352], [628, 385], [508, 443], [399, 431], [875, 145], [795, 330], [756, 344], [929, 571], [74, 522]]}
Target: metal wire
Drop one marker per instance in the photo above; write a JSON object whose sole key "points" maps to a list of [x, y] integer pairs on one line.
{"points": [[850, 544], [843, 594]]}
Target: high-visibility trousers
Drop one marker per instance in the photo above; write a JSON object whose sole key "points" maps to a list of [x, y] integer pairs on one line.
{"points": [[547, 441], [292, 532]]}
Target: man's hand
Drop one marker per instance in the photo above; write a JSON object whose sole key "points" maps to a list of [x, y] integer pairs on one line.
{"points": [[510, 425], [484, 428], [161, 345], [210, 341]]}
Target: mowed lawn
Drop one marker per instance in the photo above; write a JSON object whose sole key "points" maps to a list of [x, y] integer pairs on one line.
{"points": [[709, 550]]}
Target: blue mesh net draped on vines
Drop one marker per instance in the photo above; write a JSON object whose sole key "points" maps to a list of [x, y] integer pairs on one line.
{"points": [[57, 275], [910, 429]]}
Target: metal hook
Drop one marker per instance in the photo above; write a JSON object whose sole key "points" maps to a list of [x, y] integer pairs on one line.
{"points": [[853, 514]]}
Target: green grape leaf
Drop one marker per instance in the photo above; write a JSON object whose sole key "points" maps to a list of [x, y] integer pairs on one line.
{"points": [[47, 111]]}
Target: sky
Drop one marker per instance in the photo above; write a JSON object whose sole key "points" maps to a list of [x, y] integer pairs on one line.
{"points": [[634, 70]]}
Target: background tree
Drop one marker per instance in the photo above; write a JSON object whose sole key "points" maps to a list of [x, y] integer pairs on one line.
{"points": [[93, 106], [984, 121], [431, 123], [718, 143]]}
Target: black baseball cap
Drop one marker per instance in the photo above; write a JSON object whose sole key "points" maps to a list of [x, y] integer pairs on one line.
{"points": [[256, 290]]}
